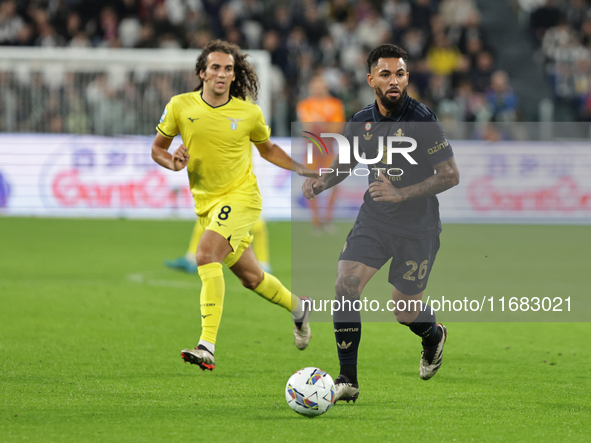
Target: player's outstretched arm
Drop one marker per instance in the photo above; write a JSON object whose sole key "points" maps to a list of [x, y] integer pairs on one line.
{"points": [[160, 154], [314, 186], [274, 154], [446, 176]]}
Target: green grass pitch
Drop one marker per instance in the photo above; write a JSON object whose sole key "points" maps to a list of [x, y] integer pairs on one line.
{"points": [[92, 324]]}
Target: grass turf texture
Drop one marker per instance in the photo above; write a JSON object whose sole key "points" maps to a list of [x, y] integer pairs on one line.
{"points": [[92, 324]]}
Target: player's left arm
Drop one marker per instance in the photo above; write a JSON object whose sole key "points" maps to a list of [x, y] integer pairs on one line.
{"points": [[446, 176], [274, 154]]}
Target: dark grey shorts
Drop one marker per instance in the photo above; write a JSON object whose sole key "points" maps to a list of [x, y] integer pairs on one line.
{"points": [[412, 258]]}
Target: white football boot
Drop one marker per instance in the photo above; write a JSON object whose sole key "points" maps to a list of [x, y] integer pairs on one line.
{"points": [[431, 359], [301, 328]]}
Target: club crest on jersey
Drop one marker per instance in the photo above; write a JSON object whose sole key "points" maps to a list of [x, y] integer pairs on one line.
{"points": [[163, 115], [234, 124]]}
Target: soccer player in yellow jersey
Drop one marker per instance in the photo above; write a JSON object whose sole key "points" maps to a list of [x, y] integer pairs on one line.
{"points": [[217, 123]]}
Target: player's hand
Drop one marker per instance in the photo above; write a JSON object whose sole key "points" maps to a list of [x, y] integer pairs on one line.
{"points": [[384, 191], [305, 172], [312, 187], [180, 158]]}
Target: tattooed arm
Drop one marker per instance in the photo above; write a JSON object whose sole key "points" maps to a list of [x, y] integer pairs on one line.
{"points": [[446, 176]]}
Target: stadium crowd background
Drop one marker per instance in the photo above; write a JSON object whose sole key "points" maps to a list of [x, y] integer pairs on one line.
{"points": [[561, 30], [453, 68]]}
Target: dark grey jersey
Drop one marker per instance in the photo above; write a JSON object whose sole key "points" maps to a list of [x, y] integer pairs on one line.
{"points": [[416, 218]]}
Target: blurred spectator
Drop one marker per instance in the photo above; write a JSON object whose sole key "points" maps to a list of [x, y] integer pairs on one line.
{"points": [[80, 40], [577, 13], [421, 14], [76, 119], [200, 39], [462, 72], [314, 25], [402, 26], [471, 32], [543, 18], [340, 10], [501, 98], [48, 37], [586, 32], [108, 29], [129, 32], [414, 44], [557, 39], [167, 35], [438, 89], [73, 26], [585, 109], [212, 8], [482, 71], [458, 12], [147, 38], [321, 112], [25, 36], [563, 30], [10, 23], [8, 103], [394, 8], [442, 57], [281, 20], [372, 30]]}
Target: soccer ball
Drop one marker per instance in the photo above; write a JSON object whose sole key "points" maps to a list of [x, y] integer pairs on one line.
{"points": [[310, 392]]}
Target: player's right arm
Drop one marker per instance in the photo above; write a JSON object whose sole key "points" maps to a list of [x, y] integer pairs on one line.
{"points": [[160, 154], [314, 186], [167, 130]]}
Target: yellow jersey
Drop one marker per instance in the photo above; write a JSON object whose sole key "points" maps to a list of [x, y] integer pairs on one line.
{"points": [[219, 143]]}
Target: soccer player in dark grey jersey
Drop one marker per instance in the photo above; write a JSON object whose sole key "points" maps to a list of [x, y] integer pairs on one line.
{"points": [[399, 218]]}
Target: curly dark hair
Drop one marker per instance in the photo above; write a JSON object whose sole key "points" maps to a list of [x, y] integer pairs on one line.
{"points": [[387, 50], [247, 81]]}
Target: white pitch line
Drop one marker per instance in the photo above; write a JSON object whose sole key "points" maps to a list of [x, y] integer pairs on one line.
{"points": [[142, 278]]}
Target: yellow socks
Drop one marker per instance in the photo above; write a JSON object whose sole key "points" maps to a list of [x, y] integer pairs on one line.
{"points": [[272, 289], [212, 300]]}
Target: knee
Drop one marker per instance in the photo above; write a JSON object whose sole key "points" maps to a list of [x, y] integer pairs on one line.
{"points": [[205, 258], [347, 287]]}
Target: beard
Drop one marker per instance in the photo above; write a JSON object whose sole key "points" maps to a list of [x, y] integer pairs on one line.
{"points": [[391, 105]]}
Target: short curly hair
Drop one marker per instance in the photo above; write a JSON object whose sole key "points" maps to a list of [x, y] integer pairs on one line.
{"points": [[387, 50], [246, 83]]}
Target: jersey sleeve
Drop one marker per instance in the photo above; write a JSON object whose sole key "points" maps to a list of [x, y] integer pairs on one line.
{"points": [[260, 132], [432, 141], [168, 126]]}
